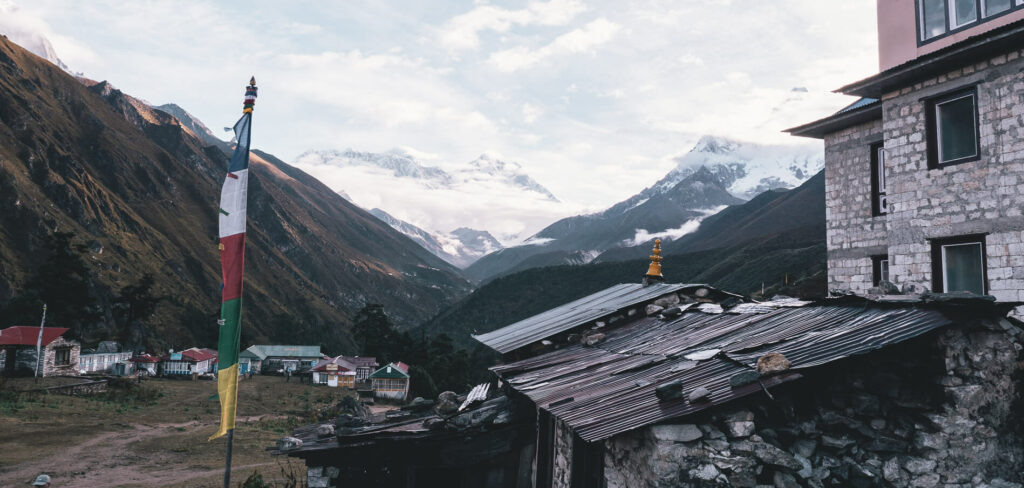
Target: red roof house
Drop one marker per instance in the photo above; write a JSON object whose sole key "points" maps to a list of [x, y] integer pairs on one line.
{"points": [[26, 335]]}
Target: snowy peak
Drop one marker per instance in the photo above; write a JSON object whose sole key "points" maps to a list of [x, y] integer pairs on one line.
{"points": [[746, 169], [397, 162], [510, 173], [24, 34], [460, 247]]}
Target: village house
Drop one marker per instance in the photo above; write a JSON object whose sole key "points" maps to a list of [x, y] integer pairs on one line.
{"points": [[391, 381], [365, 366], [146, 363], [334, 372], [187, 363], [106, 358], [908, 375], [278, 358], [18, 352], [924, 174]]}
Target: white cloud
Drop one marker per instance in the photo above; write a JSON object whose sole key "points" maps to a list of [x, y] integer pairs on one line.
{"points": [[463, 31], [531, 112], [688, 227], [576, 41]]}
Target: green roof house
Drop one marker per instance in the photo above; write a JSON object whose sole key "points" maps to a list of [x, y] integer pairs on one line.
{"points": [[391, 381]]}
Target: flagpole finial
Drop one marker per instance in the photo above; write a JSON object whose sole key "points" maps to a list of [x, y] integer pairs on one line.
{"points": [[250, 96]]}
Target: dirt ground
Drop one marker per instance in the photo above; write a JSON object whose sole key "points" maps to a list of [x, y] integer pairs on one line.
{"points": [[154, 437]]}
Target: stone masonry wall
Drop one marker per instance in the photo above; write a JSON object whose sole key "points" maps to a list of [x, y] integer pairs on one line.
{"points": [[943, 410], [852, 233], [562, 465], [983, 196]]}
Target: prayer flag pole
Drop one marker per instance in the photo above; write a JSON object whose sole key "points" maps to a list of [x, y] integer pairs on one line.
{"points": [[232, 258]]}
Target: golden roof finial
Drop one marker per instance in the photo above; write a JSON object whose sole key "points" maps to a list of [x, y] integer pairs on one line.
{"points": [[252, 81], [654, 270]]}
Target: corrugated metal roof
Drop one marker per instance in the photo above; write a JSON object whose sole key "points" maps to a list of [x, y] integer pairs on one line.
{"points": [[573, 314], [863, 102], [26, 335], [609, 388], [264, 352]]}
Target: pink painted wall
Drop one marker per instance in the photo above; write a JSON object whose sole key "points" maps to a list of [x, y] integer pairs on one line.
{"points": [[897, 32]]}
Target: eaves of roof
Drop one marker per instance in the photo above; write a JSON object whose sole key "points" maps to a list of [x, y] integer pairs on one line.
{"points": [[861, 111], [969, 51]]}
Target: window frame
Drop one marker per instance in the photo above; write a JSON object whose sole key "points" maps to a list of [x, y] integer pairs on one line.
{"points": [[932, 128], [876, 269], [879, 185], [938, 261], [979, 6]]}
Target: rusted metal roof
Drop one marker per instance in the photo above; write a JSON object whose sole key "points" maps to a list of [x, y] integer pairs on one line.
{"points": [[609, 388], [576, 313]]}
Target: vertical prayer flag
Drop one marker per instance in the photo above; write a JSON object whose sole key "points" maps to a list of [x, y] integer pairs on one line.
{"points": [[232, 257]]}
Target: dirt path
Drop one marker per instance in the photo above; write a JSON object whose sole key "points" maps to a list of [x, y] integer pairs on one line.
{"points": [[108, 460]]}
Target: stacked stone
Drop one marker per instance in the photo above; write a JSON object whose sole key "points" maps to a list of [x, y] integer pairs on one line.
{"points": [[885, 421]]}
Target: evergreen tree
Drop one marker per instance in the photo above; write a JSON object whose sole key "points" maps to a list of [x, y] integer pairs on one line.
{"points": [[138, 303]]}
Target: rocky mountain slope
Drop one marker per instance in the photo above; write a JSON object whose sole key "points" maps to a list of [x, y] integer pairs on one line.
{"points": [[140, 190], [714, 174], [460, 247]]}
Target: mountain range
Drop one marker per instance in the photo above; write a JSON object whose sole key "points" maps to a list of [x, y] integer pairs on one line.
{"points": [[775, 242], [138, 186], [460, 247], [486, 193], [716, 173]]}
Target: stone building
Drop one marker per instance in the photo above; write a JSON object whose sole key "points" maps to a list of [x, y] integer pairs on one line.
{"points": [[18, 351], [924, 174]]}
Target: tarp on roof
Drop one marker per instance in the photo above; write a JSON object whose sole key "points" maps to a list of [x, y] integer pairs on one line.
{"points": [[573, 314], [340, 361], [26, 335], [608, 389]]}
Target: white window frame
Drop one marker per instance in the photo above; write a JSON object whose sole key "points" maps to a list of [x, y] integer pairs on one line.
{"points": [[883, 269], [951, 15], [938, 128], [981, 257]]}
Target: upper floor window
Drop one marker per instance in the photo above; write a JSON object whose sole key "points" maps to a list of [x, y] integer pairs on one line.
{"points": [[936, 18], [958, 264], [879, 202], [952, 128]]}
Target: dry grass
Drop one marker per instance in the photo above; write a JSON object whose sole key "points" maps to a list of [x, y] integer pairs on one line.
{"points": [[151, 436]]}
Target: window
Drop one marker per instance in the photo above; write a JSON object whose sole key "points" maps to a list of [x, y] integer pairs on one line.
{"points": [[962, 12], [62, 356], [952, 128], [992, 7], [933, 18], [958, 264], [879, 202], [937, 18], [879, 269]]}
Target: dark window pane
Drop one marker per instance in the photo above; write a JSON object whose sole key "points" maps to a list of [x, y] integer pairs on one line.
{"points": [[964, 11], [933, 18], [883, 267], [956, 129], [993, 7], [963, 268]]}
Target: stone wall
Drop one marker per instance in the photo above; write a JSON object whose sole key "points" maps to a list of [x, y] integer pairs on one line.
{"points": [[941, 410], [562, 465], [25, 359], [983, 196], [853, 235]]}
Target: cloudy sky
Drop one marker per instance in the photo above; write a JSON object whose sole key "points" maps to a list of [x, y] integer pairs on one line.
{"points": [[593, 98]]}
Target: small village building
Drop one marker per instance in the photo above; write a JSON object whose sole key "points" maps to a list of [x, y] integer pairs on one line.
{"points": [[335, 372], [365, 366], [277, 359], [146, 363], [18, 352], [186, 363], [107, 358], [391, 381]]}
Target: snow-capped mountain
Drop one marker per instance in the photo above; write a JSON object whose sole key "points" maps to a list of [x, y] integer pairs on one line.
{"points": [[27, 35], [486, 193], [715, 173], [460, 247]]}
